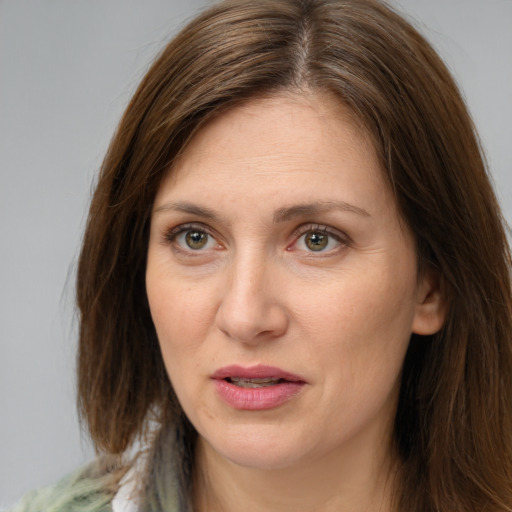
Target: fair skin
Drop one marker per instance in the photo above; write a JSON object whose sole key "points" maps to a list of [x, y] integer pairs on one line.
{"points": [[276, 241]]}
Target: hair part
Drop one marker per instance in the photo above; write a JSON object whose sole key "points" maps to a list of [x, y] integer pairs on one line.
{"points": [[454, 417]]}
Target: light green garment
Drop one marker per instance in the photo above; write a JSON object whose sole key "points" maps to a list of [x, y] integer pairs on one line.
{"points": [[86, 490], [82, 491]]}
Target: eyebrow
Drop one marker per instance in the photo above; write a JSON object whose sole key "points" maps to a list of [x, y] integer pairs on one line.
{"points": [[186, 207], [304, 210], [280, 215]]}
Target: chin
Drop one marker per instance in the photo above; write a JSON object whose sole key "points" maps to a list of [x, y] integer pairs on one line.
{"points": [[257, 450], [258, 458]]}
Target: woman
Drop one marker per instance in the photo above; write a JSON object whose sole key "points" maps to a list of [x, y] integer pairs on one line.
{"points": [[294, 285]]}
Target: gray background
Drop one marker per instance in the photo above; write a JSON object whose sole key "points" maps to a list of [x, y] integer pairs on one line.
{"points": [[67, 70]]}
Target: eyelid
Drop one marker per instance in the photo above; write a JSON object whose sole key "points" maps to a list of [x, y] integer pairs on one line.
{"points": [[171, 234], [339, 238], [169, 237], [323, 228]]}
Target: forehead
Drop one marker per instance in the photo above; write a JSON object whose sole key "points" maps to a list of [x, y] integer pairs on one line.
{"points": [[305, 144]]}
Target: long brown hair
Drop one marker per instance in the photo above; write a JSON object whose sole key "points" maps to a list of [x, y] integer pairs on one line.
{"points": [[453, 428]]}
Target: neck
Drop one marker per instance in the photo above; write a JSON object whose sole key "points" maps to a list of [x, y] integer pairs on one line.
{"points": [[362, 483]]}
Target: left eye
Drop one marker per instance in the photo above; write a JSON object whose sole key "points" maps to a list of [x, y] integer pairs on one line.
{"points": [[195, 239], [317, 241]]}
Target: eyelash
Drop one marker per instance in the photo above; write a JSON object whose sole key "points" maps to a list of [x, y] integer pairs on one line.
{"points": [[173, 234], [341, 238]]}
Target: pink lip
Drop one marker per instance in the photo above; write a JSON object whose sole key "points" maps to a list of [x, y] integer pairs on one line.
{"points": [[256, 399]]}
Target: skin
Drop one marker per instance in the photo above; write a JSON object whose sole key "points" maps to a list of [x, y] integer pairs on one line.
{"points": [[256, 293]]}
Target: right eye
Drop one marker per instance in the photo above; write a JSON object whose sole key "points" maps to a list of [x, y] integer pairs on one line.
{"points": [[189, 238]]}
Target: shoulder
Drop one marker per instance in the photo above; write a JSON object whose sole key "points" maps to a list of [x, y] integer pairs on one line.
{"points": [[90, 489]]}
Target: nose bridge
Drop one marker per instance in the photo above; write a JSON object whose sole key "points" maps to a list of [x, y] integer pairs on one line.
{"points": [[250, 309], [249, 273]]}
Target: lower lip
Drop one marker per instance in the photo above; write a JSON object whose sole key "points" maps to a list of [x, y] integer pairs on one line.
{"points": [[257, 399]]}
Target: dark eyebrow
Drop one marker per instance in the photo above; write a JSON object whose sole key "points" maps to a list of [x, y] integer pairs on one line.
{"points": [[302, 210], [185, 207]]}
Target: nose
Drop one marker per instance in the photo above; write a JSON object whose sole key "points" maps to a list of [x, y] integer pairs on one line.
{"points": [[251, 310]]}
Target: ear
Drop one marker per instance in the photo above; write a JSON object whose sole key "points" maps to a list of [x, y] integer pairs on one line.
{"points": [[431, 304]]}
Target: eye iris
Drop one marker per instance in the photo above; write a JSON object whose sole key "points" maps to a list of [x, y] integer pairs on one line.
{"points": [[316, 241], [196, 239]]}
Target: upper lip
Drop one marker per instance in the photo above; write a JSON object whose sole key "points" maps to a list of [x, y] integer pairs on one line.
{"points": [[255, 372]]}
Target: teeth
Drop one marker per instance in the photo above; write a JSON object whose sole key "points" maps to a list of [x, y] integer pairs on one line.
{"points": [[254, 383]]}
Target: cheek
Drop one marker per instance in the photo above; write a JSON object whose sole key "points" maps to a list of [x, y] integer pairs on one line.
{"points": [[358, 305], [175, 303], [183, 316], [360, 345], [177, 326], [362, 327]]}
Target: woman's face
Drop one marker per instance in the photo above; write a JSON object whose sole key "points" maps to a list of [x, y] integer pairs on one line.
{"points": [[283, 286]]}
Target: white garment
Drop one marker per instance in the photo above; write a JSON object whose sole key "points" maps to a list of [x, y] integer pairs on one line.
{"points": [[126, 498]]}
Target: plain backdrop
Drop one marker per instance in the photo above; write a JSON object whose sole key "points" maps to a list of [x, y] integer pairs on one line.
{"points": [[67, 71]]}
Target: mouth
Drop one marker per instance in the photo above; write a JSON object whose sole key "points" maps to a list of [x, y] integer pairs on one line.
{"points": [[255, 376], [257, 387], [254, 383]]}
